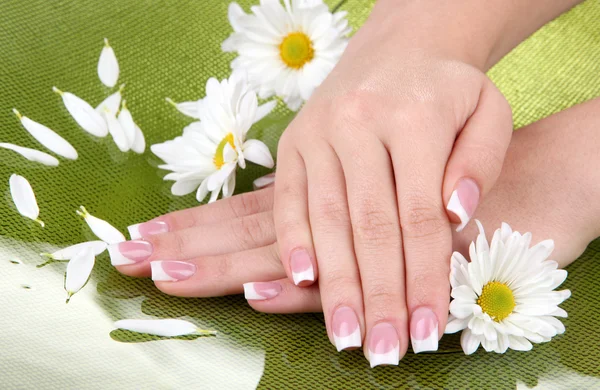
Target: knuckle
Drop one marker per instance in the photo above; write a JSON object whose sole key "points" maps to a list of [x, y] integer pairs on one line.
{"points": [[354, 107], [223, 266], [420, 217], [332, 213], [424, 287], [249, 232], [338, 287], [380, 298], [245, 204], [373, 224]]}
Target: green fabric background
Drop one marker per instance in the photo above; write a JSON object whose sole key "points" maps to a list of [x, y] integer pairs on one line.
{"points": [[169, 48]]}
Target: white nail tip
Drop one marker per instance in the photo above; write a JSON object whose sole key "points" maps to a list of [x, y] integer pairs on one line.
{"points": [[84, 114], [116, 258], [457, 208], [351, 341], [251, 294], [309, 274], [164, 327], [32, 154], [429, 344], [24, 198], [134, 231], [116, 131], [108, 66], [97, 247], [158, 274], [78, 272], [47, 137], [389, 358], [102, 229]]}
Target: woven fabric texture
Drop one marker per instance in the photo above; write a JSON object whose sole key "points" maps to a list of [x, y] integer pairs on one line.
{"points": [[169, 49]]}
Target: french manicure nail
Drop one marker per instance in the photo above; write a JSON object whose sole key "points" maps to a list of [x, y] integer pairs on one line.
{"points": [[260, 291], [346, 331], [129, 252], [424, 330], [263, 181], [146, 229], [384, 345], [463, 201], [302, 268], [171, 271]]}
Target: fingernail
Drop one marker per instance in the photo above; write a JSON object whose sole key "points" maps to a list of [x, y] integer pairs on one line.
{"points": [[146, 229], [129, 252], [346, 331], [263, 181], [384, 345], [260, 291], [302, 268], [424, 330], [171, 271], [463, 201]]}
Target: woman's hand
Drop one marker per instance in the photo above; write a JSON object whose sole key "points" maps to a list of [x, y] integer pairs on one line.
{"points": [[398, 138]]}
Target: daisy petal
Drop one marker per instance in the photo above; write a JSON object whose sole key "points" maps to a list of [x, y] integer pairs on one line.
{"points": [[102, 229], [139, 142], [258, 153], [24, 198], [108, 67], [116, 131], [112, 103], [47, 137], [84, 114], [264, 110], [162, 327], [97, 247], [469, 342], [32, 154], [186, 108], [78, 272], [126, 121], [456, 324]]}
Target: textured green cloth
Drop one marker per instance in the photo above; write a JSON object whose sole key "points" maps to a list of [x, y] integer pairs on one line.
{"points": [[169, 49]]}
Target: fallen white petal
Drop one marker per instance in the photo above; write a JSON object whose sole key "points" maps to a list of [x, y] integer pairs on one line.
{"points": [[24, 198], [97, 247], [47, 137], [116, 130], [139, 142], [102, 229], [84, 114], [186, 108], [113, 102], [165, 327], [78, 272], [32, 154], [263, 181], [127, 124], [108, 67]]}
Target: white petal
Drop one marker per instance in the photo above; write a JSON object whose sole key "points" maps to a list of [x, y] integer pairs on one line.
{"points": [[469, 342], [102, 229], [263, 181], [229, 186], [164, 327], [78, 272], [202, 191], [139, 142], [108, 67], [84, 114], [127, 124], [456, 324], [184, 187], [264, 110], [24, 198], [186, 108], [116, 130], [519, 343], [113, 102], [97, 247], [216, 180], [32, 154], [258, 153], [48, 138]]}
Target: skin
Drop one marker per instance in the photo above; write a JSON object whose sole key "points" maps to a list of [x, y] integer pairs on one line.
{"points": [[238, 242]]}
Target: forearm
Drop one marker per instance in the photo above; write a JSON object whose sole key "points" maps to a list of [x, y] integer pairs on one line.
{"points": [[479, 32]]}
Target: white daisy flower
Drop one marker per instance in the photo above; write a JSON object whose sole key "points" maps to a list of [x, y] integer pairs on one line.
{"points": [[504, 297], [205, 157], [287, 50]]}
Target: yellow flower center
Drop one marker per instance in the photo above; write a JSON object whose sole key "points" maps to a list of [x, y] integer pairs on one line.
{"points": [[497, 300], [296, 50], [219, 160]]}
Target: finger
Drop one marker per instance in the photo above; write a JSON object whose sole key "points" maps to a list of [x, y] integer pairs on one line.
{"points": [[235, 207], [427, 238], [289, 299], [290, 212], [478, 155], [339, 279], [211, 276], [378, 247], [254, 231]]}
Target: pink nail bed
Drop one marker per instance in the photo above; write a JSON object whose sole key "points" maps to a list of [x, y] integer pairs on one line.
{"points": [[129, 252], [463, 201], [346, 330], [384, 345], [150, 228], [301, 265], [261, 291], [424, 330], [171, 271]]}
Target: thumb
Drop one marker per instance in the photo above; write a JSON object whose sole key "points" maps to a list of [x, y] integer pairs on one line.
{"points": [[478, 154]]}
